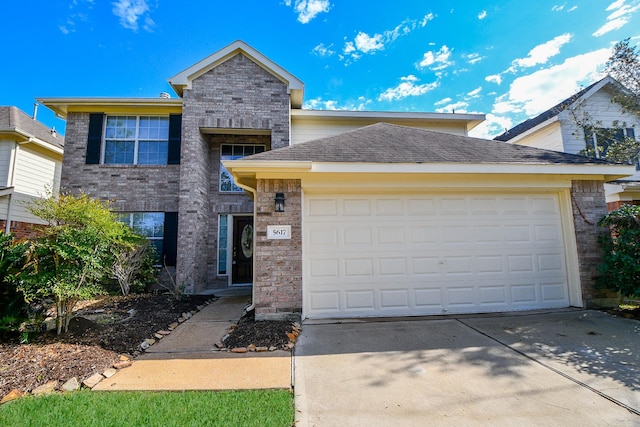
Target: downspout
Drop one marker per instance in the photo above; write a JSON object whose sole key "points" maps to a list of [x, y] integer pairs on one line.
{"points": [[10, 183], [253, 263]]}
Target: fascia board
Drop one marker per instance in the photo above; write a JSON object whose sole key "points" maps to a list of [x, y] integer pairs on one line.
{"points": [[63, 106], [22, 137]]}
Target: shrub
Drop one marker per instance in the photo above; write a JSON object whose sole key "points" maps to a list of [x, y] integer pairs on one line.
{"points": [[621, 265], [13, 307]]}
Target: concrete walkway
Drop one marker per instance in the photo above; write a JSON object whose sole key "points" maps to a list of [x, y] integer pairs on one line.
{"points": [[186, 359]]}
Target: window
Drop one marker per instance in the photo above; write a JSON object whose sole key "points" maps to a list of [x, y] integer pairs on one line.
{"points": [[233, 152], [136, 140], [149, 225], [599, 139], [223, 240]]}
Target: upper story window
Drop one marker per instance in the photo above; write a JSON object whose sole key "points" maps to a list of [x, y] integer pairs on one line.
{"points": [[233, 152], [136, 140], [599, 139]]}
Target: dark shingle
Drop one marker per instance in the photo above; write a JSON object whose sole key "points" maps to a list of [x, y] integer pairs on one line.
{"points": [[387, 143], [13, 119], [544, 116]]}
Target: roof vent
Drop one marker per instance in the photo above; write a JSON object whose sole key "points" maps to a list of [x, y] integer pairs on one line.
{"points": [[164, 95]]}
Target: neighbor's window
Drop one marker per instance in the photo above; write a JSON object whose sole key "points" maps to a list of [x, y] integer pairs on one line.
{"points": [[599, 139], [136, 140], [233, 152], [149, 225]]}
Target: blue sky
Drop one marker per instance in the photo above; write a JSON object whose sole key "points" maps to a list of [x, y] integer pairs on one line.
{"points": [[507, 59]]}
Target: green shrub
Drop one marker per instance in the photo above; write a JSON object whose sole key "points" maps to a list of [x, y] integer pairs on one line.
{"points": [[620, 268], [13, 308]]}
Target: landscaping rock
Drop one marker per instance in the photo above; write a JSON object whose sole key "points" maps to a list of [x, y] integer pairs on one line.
{"points": [[158, 336], [47, 388], [219, 344], [124, 357], [121, 365], [172, 326], [13, 395], [93, 380], [239, 350], [71, 385], [261, 349], [108, 373], [165, 333], [251, 347]]}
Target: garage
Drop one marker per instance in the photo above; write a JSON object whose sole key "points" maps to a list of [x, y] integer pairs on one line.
{"points": [[420, 254], [389, 220]]}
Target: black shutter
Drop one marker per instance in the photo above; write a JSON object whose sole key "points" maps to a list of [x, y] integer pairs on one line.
{"points": [[94, 141], [175, 137], [170, 246]]}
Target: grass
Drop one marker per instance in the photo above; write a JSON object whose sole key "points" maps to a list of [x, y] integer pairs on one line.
{"points": [[262, 408]]}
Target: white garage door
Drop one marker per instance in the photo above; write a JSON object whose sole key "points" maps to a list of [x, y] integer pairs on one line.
{"points": [[389, 255]]}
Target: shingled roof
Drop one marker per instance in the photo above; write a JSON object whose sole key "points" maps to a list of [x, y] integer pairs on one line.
{"points": [[13, 119], [548, 114], [387, 143]]}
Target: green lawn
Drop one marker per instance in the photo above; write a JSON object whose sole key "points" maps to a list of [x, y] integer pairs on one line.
{"points": [[192, 408]]}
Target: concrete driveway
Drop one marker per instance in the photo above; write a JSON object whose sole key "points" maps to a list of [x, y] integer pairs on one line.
{"points": [[574, 367]]}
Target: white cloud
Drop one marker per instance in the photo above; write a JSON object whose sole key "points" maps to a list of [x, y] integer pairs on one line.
{"points": [[428, 17], [319, 104], [443, 101], [364, 43], [130, 11], [76, 16], [572, 8], [322, 50], [542, 89], [493, 126], [474, 58], [494, 78], [619, 17], [436, 60], [482, 15], [475, 93], [541, 53], [309, 9], [456, 107], [408, 87]]}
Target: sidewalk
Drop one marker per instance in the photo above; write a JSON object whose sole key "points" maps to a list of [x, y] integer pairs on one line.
{"points": [[186, 359]]}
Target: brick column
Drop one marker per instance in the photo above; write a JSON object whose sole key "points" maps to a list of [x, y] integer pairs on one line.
{"points": [[278, 277], [589, 205]]}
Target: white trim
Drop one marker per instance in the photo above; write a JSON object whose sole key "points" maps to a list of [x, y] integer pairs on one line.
{"points": [[570, 248]]}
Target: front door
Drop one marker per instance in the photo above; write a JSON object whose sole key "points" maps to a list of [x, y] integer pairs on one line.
{"points": [[242, 263]]}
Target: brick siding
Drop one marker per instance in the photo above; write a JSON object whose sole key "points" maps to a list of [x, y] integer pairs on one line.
{"points": [[241, 96], [278, 281], [589, 206], [21, 230]]}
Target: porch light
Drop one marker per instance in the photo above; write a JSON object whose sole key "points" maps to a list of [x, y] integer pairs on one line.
{"points": [[279, 202]]}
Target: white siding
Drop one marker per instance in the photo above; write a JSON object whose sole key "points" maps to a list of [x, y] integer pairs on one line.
{"points": [[308, 130], [603, 113], [36, 173], [5, 162]]}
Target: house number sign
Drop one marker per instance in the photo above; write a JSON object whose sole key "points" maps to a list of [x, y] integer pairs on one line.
{"points": [[278, 232]]}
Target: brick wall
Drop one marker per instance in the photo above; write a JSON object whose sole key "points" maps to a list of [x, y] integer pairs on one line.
{"points": [[241, 96], [141, 188], [589, 206], [20, 230], [278, 279], [612, 206]]}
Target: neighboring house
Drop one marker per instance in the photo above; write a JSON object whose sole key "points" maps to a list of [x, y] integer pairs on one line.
{"points": [[559, 129], [30, 166], [347, 216]]}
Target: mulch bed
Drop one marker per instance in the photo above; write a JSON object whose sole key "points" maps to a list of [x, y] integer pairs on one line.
{"points": [[105, 328]]}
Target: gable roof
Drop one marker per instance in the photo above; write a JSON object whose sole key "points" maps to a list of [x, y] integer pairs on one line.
{"points": [[387, 143], [555, 110], [183, 80], [14, 121]]}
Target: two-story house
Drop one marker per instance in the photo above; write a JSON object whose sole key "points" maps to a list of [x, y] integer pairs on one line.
{"points": [[30, 167], [589, 119], [335, 213]]}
